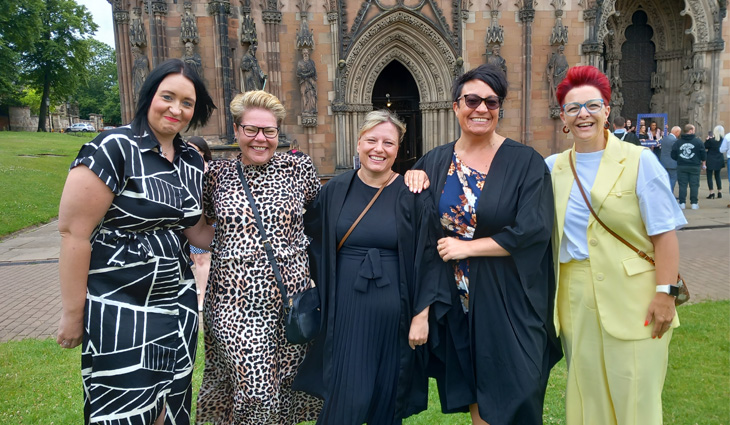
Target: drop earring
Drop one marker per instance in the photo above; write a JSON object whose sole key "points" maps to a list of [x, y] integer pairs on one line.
{"points": [[605, 125], [566, 130]]}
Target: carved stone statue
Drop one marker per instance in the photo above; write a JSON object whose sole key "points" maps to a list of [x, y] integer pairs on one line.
{"points": [[307, 74], [193, 59], [696, 112], [252, 77], [656, 104], [617, 103], [495, 59], [557, 69], [140, 70]]}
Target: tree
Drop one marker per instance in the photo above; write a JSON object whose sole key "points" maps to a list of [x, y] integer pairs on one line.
{"points": [[58, 61], [95, 94], [20, 26]]}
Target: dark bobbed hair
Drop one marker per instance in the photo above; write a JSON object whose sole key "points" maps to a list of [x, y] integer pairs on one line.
{"points": [[204, 105], [201, 144], [489, 74], [586, 75]]}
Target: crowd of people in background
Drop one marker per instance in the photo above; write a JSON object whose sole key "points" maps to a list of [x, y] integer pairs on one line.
{"points": [[481, 267]]}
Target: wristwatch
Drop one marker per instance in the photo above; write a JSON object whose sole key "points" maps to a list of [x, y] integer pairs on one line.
{"points": [[672, 290]]}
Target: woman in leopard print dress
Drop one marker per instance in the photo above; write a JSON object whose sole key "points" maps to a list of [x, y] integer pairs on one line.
{"points": [[249, 365]]}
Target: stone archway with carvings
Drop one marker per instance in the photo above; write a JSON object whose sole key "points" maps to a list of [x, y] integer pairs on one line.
{"points": [[699, 44], [412, 41]]}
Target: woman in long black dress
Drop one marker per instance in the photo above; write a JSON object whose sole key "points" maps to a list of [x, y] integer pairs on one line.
{"points": [[373, 304], [494, 346], [131, 201]]}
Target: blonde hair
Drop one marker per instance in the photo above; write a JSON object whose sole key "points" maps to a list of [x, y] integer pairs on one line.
{"points": [[377, 117], [257, 99], [718, 132]]}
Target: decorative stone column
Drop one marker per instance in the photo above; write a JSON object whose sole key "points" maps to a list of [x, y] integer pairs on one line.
{"points": [[158, 48], [272, 20], [527, 16], [220, 9], [124, 62]]}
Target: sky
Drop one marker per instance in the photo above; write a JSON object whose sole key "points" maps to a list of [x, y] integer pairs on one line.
{"points": [[101, 10]]}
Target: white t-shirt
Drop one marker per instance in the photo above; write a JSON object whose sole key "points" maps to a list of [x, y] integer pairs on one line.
{"points": [[659, 209]]}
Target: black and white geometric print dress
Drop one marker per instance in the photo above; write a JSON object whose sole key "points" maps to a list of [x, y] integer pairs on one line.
{"points": [[141, 315]]}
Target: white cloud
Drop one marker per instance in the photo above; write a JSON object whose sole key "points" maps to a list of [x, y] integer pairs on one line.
{"points": [[101, 10]]}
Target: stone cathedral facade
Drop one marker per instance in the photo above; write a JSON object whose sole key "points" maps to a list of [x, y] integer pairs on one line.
{"points": [[332, 61]]}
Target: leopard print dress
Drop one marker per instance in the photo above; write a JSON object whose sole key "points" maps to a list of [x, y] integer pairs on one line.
{"points": [[249, 365]]}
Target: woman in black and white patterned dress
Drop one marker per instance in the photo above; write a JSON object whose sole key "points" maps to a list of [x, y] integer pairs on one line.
{"points": [[131, 202]]}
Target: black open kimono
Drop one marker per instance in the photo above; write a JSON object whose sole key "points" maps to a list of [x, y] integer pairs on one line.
{"points": [[499, 355], [321, 372]]}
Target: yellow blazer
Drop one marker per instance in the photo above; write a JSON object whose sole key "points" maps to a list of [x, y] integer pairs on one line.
{"points": [[624, 283]]}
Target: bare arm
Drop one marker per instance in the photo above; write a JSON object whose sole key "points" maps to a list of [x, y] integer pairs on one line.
{"points": [[201, 234], [456, 249], [84, 202], [666, 255]]}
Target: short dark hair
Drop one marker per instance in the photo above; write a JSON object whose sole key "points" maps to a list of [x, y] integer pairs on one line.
{"points": [[619, 122], [586, 75], [201, 144], [489, 74], [204, 105]]}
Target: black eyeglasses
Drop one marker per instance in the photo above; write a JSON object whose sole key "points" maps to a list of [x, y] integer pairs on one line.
{"points": [[473, 101], [572, 109], [253, 131]]}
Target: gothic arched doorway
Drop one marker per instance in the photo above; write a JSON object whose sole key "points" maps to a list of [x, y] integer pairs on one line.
{"points": [[395, 89], [637, 66]]}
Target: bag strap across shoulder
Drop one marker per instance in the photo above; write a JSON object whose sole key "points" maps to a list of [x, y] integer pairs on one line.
{"points": [[362, 214], [641, 253], [286, 301]]}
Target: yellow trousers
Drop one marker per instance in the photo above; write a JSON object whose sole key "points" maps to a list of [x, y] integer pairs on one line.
{"points": [[610, 381]]}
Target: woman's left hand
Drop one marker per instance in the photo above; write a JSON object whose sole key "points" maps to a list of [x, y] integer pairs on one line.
{"points": [[416, 180], [661, 313], [418, 334], [452, 249]]}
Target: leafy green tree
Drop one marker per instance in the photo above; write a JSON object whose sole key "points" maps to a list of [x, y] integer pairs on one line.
{"points": [[58, 61], [96, 95], [20, 26]]}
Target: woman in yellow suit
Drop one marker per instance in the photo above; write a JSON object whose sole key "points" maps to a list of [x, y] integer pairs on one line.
{"points": [[614, 310]]}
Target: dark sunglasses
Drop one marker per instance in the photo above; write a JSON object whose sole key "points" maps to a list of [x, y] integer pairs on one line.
{"points": [[473, 101]]}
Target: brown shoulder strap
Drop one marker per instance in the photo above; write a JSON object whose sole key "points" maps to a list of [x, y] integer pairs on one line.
{"points": [[362, 214], [641, 254]]}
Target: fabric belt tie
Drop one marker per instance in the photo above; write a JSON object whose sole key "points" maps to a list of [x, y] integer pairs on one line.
{"points": [[371, 270]]}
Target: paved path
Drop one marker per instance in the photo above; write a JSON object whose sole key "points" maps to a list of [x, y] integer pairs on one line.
{"points": [[30, 304]]}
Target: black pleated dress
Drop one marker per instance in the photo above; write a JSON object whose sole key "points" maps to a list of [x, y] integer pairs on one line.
{"points": [[367, 312]]}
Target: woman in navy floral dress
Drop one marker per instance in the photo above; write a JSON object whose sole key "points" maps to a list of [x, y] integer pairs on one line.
{"points": [[493, 347]]}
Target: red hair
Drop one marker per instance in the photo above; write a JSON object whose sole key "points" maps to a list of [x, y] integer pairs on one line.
{"points": [[584, 76]]}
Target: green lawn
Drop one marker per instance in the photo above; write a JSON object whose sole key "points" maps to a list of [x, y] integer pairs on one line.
{"points": [[41, 383], [33, 169]]}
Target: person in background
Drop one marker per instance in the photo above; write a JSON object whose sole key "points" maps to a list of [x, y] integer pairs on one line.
{"points": [[725, 148], [131, 203], [715, 160], [690, 154], [249, 364], [615, 311], [367, 364], [665, 157], [630, 126], [654, 132], [492, 349], [619, 124], [199, 256], [643, 135]]}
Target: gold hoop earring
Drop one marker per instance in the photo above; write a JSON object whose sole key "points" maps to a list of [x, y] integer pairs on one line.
{"points": [[566, 130]]}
